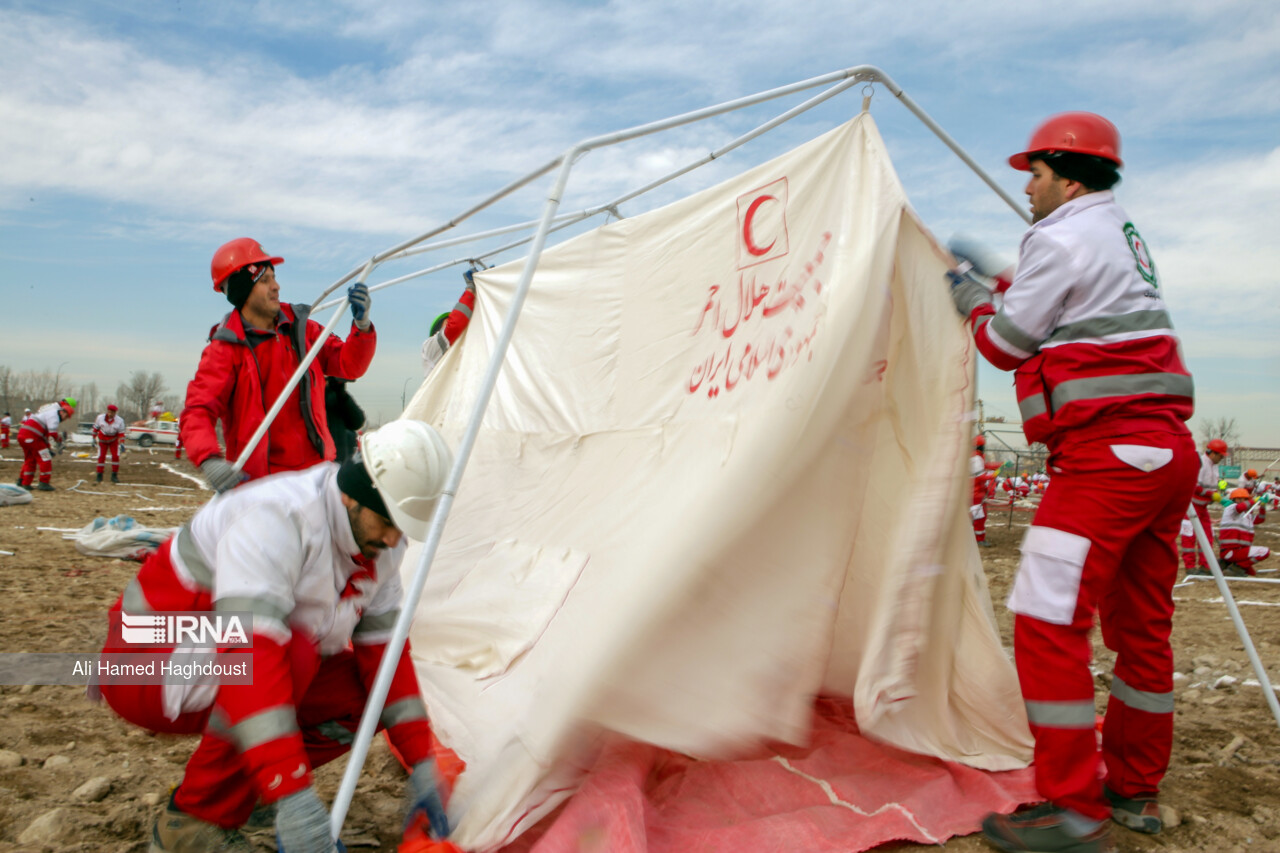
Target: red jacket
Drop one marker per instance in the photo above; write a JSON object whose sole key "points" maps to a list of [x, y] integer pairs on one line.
{"points": [[237, 383]]}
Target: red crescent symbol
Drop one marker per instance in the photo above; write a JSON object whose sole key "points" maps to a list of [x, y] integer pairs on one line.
{"points": [[746, 227]]}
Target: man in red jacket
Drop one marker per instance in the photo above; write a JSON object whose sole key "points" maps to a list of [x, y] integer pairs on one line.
{"points": [[250, 357], [1101, 382]]}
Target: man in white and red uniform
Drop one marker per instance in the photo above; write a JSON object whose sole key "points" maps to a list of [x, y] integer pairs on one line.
{"points": [[34, 436], [108, 431], [314, 556], [1235, 534], [1206, 486], [1100, 380], [447, 328], [5, 424], [157, 409], [1248, 481], [982, 477]]}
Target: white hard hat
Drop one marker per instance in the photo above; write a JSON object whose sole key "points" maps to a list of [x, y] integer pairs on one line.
{"points": [[409, 463]]}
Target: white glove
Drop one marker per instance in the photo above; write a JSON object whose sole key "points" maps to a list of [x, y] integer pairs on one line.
{"points": [[220, 475], [302, 824]]}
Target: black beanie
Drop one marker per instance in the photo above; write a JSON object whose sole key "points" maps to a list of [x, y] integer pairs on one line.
{"points": [[238, 287], [354, 482], [1096, 173]]}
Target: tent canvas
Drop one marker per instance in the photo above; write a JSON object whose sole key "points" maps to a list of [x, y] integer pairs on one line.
{"points": [[723, 471]]}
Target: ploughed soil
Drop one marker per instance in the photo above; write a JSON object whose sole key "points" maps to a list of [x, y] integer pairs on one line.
{"points": [[73, 777]]}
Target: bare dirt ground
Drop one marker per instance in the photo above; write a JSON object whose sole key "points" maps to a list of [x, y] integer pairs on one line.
{"points": [[54, 744]]}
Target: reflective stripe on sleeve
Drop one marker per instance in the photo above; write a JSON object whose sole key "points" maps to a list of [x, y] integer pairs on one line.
{"points": [[1009, 331], [1031, 407], [260, 728], [406, 710], [191, 559], [134, 602], [377, 622], [1061, 715], [1142, 700], [268, 618]]}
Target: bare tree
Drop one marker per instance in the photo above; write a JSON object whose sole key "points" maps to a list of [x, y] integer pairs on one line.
{"points": [[1224, 428], [88, 398], [135, 396]]}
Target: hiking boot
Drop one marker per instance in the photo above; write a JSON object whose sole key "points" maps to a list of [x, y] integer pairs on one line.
{"points": [[1141, 814], [43, 487], [24, 485], [99, 476], [985, 544], [176, 831], [1199, 570], [115, 478], [1231, 570], [1042, 830]]}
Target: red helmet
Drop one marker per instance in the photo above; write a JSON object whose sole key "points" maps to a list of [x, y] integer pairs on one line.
{"points": [[237, 254], [1217, 445], [979, 441], [1078, 133]]}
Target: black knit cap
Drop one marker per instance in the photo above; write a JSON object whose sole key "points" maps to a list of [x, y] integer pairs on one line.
{"points": [[238, 287], [1096, 173], [354, 482]]}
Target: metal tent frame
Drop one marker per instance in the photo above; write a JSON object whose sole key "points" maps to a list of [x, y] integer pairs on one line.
{"points": [[836, 82]]}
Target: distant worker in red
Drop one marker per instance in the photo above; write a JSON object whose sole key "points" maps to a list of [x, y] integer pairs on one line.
{"points": [[35, 435], [108, 431], [1248, 481], [5, 423], [1101, 382], [1206, 487], [447, 328], [1235, 533], [250, 357], [982, 477]]}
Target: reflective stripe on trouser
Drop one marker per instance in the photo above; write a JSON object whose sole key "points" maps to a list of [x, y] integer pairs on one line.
{"points": [[115, 456], [34, 453], [1191, 546], [1127, 576], [215, 787]]}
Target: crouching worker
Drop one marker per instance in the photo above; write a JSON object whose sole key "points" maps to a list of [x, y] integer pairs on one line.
{"points": [[1235, 533], [314, 557]]}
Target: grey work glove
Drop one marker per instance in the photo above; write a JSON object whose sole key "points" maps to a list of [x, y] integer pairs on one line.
{"points": [[302, 824], [358, 296], [219, 474], [966, 292], [423, 798]]}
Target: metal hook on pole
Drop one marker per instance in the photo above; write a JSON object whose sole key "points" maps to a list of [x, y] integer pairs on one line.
{"points": [[867, 91]]}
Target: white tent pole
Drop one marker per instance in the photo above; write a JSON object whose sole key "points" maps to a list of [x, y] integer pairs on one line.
{"points": [[395, 645], [1206, 547], [400, 633]]}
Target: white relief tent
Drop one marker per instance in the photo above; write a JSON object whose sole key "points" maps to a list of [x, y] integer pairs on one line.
{"points": [[674, 524]]}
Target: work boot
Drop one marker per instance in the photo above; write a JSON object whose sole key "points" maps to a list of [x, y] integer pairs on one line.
{"points": [[24, 485], [44, 487], [985, 544], [1231, 570], [99, 476], [176, 831], [1141, 814], [1199, 570], [1043, 830], [115, 478]]}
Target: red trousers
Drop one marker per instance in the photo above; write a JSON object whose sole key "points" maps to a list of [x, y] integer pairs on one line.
{"points": [[1103, 541], [1245, 555], [979, 521], [4, 435], [114, 446], [215, 787], [1192, 556], [35, 455]]}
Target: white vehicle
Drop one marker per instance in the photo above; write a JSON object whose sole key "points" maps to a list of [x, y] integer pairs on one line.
{"points": [[147, 433]]}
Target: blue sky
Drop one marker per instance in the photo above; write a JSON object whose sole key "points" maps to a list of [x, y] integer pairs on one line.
{"points": [[136, 137]]}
